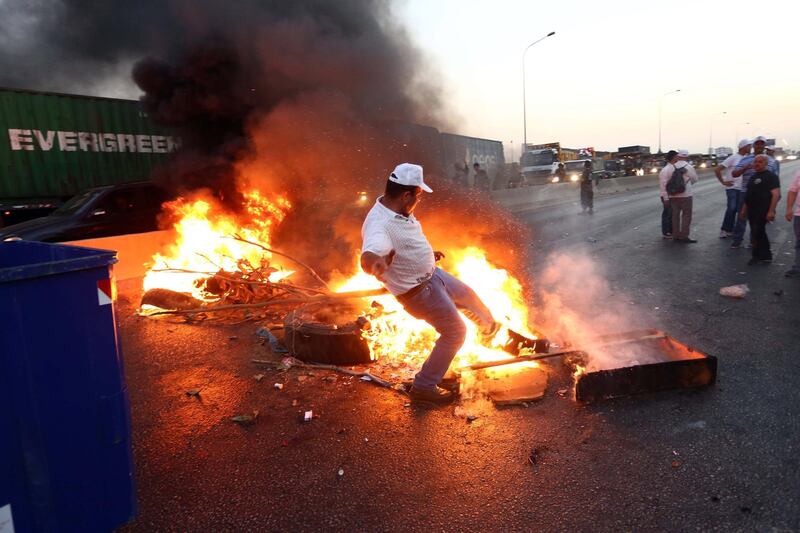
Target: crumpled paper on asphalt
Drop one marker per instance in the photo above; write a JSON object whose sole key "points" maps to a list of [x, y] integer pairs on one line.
{"points": [[735, 291]]}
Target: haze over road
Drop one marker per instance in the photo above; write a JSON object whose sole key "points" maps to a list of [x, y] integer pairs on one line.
{"points": [[723, 458]]}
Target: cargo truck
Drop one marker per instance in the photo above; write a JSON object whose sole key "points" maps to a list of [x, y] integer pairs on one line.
{"points": [[539, 162], [53, 146]]}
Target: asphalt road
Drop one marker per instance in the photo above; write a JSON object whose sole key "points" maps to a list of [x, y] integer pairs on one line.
{"points": [[723, 458]]}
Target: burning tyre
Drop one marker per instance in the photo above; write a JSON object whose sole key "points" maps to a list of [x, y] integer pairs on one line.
{"points": [[327, 334]]}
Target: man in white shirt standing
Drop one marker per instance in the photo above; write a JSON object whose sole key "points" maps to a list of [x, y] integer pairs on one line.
{"points": [[395, 251], [733, 188], [680, 202]]}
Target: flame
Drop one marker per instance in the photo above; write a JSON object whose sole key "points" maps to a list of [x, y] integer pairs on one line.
{"points": [[395, 337], [204, 245]]}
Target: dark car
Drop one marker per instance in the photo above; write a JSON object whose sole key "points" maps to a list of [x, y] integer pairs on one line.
{"points": [[100, 212]]}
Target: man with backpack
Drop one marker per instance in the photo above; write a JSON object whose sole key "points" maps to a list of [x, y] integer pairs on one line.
{"points": [[676, 181], [666, 211]]}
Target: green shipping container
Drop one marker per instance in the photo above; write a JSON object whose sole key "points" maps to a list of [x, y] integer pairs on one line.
{"points": [[54, 145]]}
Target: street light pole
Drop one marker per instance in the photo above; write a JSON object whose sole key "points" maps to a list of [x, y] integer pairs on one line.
{"points": [[524, 106], [736, 141], [660, 100], [711, 132]]}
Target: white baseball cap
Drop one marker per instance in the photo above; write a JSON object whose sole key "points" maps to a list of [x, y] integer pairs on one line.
{"points": [[760, 138], [409, 174], [744, 142], [683, 153]]}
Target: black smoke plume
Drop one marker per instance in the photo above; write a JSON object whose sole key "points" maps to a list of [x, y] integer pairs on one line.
{"points": [[315, 99]]}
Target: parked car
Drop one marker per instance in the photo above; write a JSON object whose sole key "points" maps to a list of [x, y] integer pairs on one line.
{"points": [[99, 212]]}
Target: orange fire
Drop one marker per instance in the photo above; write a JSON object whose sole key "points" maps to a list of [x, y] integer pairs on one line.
{"points": [[204, 246], [204, 243], [397, 337]]}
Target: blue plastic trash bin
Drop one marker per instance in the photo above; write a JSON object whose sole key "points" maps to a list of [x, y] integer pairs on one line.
{"points": [[65, 438]]}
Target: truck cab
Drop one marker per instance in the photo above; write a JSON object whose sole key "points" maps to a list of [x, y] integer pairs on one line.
{"points": [[538, 166]]}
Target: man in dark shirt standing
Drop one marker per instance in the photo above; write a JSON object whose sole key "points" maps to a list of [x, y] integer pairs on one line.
{"points": [[763, 193], [481, 178], [587, 193]]}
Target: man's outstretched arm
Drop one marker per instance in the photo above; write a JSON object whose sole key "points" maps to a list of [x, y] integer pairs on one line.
{"points": [[375, 264]]}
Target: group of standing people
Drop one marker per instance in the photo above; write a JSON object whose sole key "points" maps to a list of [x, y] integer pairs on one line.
{"points": [[752, 186], [481, 177]]}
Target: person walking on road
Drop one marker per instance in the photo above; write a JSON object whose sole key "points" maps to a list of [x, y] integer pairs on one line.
{"points": [[587, 193], [680, 202], [666, 210], [763, 193], [733, 188], [481, 178], [561, 173], [396, 251], [793, 215], [745, 170]]}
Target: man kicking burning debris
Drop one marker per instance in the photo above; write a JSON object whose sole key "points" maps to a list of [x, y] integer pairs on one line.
{"points": [[396, 252]]}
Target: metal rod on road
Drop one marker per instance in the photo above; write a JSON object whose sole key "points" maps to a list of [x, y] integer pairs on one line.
{"points": [[574, 351], [320, 298], [520, 359]]}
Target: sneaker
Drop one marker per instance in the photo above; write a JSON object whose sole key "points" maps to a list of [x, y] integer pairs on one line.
{"points": [[793, 273], [666, 236], [749, 246], [724, 234], [736, 245], [753, 261], [435, 396]]}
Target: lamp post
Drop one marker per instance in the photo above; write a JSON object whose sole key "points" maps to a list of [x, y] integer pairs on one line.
{"points": [[524, 106], [711, 131], [660, 100], [736, 140]]}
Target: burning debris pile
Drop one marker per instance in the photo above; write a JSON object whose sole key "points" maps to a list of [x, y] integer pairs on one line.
{"points": [[212, 270], [286, 111]]}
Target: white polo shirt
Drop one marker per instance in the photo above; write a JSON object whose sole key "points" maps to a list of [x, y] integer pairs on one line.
{"points": [[384, 231], [689, 177], [729, 164]]}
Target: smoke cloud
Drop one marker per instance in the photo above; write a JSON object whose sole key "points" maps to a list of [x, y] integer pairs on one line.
{"points": [[313, 99], [578, 305]]}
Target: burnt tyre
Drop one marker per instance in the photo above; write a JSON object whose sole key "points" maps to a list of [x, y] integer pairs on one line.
{"points": [[326, 333]]}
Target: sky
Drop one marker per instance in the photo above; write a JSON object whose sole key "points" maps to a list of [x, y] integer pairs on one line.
{"points": [[598, 81]]}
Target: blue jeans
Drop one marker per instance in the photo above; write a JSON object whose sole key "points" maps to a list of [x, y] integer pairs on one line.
{"points": [[796, 222], [438, 305], [731, 210], [741, 225], [666, 218]]}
